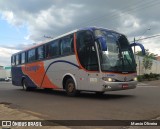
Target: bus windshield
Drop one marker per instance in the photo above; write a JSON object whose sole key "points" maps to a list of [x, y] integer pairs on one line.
{"points": [[119, 56]]}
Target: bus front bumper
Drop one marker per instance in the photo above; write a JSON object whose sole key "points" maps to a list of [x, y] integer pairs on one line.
{"points": [[113, 86]]}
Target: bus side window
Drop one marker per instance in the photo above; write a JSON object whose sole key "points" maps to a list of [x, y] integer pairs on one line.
{"points": [[13, 61], [67, 45], [31, 55], [40, 53], [72, 45], [17, 61], [23, 58], [53, 49]]}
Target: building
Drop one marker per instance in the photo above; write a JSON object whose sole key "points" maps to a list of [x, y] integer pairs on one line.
{"points": [[5, 72], [1, 67], [158, 58]]}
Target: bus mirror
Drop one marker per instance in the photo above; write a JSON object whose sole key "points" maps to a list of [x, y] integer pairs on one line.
{"points": [[140, 45], [103, 43]]}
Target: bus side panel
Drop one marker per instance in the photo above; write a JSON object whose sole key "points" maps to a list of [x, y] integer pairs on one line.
{"points": [[35, 72], [30, 83], [68, 65], [16, 75], [60, 67]]}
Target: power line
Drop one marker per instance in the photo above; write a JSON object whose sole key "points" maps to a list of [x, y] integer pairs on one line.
{"points": [[140, 5], [136, 8], [148, 37]]}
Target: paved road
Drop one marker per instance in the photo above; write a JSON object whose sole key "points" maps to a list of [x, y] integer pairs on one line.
{"points": [[140, 103]]}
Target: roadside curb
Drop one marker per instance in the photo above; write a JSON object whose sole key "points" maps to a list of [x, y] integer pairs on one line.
{"points": [[7, 113]]}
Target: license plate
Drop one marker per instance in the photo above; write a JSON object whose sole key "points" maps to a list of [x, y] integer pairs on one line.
{"points": [[124, 86]]}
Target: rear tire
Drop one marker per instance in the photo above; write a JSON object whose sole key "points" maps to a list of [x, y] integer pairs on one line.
{"points": [[70, 88], [25, 85]]}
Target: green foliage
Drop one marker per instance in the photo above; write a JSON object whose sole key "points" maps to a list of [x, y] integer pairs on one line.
{"points": [[140, 78], [148, 77], [147, 63], [148, 54]]}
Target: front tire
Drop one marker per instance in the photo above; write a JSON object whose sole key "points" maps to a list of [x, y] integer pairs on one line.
{"points": [[100, 93], [70, 88]]}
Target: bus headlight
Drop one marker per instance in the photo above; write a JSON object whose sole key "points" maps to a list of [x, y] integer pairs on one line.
{"points": [[135, 79], [108, 79]]}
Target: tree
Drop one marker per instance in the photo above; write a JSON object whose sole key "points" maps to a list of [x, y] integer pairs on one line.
{"points": [[147, 59], [147, 63], [148, 54]]}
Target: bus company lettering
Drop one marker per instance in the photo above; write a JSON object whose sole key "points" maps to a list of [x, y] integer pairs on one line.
{"points": [[32, 68]]}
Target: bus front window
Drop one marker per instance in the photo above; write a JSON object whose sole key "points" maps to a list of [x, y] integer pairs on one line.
{"points": [[119, 56]]}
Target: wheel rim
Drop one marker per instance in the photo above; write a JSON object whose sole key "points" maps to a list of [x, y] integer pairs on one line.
{"points": [[70, 87], [24, 86]]}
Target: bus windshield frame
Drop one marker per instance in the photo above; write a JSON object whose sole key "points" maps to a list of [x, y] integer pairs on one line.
{"points": [[119, 56]]}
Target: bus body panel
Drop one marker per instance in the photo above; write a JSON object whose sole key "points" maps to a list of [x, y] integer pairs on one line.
{"points": [[57, 68], [18, 76]]}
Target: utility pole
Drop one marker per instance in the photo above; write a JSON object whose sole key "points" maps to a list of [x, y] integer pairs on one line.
{"points": [[135, 50], [134, 47]]}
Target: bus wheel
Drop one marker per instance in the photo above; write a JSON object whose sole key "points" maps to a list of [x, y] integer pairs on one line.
{"points": [[100, 93], [25, 87], [70, 87]]}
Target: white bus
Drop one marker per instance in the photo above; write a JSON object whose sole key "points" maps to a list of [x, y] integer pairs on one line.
{"points": [[88, 59]]}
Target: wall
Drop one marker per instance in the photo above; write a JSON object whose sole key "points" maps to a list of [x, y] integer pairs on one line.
{"points": [[140, 69], [5, 72]]}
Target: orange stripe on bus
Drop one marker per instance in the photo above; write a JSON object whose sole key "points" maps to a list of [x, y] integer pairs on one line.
{"points": [[36, 72], [47, 83]]}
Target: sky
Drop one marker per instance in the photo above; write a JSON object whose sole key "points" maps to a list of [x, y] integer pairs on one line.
{"points": [[24, 23]]}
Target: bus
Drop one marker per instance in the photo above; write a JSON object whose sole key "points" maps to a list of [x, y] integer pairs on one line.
{"points": [[90, 59]]}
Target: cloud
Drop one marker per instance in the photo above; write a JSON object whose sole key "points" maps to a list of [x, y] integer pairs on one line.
{"points": [[41, 17], [11, 18], [53, 18], [5, 55], [153, 45], [128, 23]]}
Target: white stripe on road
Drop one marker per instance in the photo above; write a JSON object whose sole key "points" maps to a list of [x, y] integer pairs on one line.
{"points": [[142, 84], [147, 86]]}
